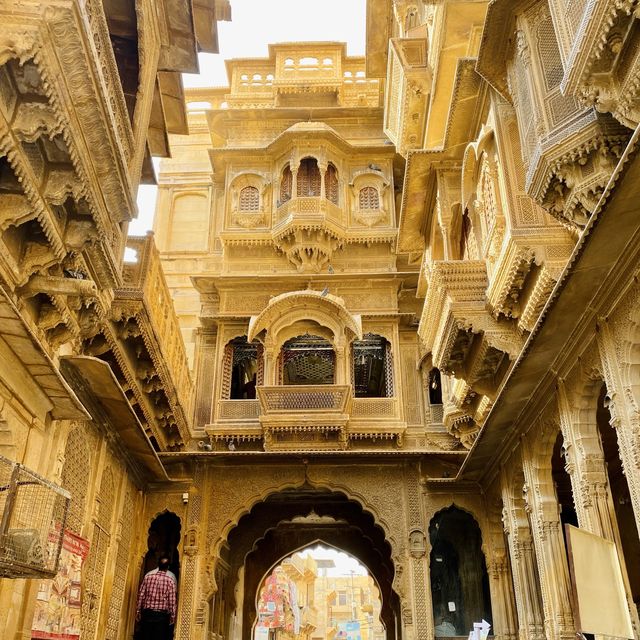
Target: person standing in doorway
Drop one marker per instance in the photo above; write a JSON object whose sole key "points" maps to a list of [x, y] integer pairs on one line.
{"points": [[156, 610]]}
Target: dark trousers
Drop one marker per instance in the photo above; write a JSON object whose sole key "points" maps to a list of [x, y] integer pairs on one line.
{"points": [[154, 625]]}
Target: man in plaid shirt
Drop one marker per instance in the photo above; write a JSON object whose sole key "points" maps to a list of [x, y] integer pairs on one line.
{"points": [[157, 603]]}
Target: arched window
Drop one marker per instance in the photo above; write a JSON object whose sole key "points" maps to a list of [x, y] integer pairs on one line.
{"points": [[331, 184], [458, 573], [307, 359], [368, 199], [435, 387], [308, 178], [286, 185], [372, 367], [249, 199], [242, 369]]}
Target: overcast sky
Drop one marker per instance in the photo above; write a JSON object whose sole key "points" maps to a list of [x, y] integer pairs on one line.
{"points": [[254, 25]]}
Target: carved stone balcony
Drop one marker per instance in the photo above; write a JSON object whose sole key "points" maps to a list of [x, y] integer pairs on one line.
{"points": [[283, 412], [570, 150], [407, 92], [143, 344], [308, 230], [602, 58], [526, 271], [310, 417], [456, 327]]}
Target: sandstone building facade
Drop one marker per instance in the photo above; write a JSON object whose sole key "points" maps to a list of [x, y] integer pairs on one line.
{"points": [[390, 303]]}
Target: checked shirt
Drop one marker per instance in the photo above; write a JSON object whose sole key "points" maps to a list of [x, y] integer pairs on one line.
{"points": [[158, 592]]}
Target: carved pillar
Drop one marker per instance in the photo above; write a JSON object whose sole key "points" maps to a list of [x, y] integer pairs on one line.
{"points": [[294, 181], [502, 597], [190, 622], [323, 173], [270, 356], [524, 557], [625, 418], [526, 583], [341, 373], [550, 551]]}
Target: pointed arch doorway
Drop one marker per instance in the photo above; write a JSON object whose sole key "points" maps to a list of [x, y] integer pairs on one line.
{"points": [[276, 528]]}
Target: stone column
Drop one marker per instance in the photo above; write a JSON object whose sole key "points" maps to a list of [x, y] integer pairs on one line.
{"points": [[341, 374], [625, 418], [551, 556], [270, 357], [189, 623], [323, 174], [502, 597], [526, 584]]}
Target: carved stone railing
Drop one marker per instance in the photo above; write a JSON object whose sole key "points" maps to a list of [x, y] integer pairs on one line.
{"points": [[307, 207], [407, 92], [144, 282], [325, 399], [374, 409], [305, 416], [238, 410]]}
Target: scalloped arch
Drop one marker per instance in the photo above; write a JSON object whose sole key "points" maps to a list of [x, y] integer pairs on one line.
{"points": [[324, 308]]}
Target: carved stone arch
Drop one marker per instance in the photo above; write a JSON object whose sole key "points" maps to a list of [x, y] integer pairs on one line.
{"points": [[286, 309], [471, 582], [228, 515]]}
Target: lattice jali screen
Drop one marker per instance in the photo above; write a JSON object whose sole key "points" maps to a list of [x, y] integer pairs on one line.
{"points": [[33, 513], [239, 410], [96, 561], [286, 185], [249, 199], [574, 10], [368, 199], [308, 178], [331, 184], [437, 413], [300, 399], [115, 620], [75, 477], [373, 408]]}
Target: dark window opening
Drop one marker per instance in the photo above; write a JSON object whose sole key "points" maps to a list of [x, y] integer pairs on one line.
{"points": [[308, 359], [245, 363], [435, 387], [372, 367]]}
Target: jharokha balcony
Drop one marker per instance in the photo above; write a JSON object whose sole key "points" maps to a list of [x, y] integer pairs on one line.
{"points": [[307, 392]]}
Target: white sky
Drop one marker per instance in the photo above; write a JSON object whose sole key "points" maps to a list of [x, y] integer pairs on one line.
{"points": [[255, 24], [345, 563]]}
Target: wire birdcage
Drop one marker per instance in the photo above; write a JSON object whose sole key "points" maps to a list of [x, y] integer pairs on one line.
{"points": [[33, 512]]}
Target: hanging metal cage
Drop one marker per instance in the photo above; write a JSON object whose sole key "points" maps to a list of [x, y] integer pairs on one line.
{"points": [[33, 512]]}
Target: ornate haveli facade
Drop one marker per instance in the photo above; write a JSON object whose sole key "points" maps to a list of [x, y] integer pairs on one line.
{"points": [[390, 303]]}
